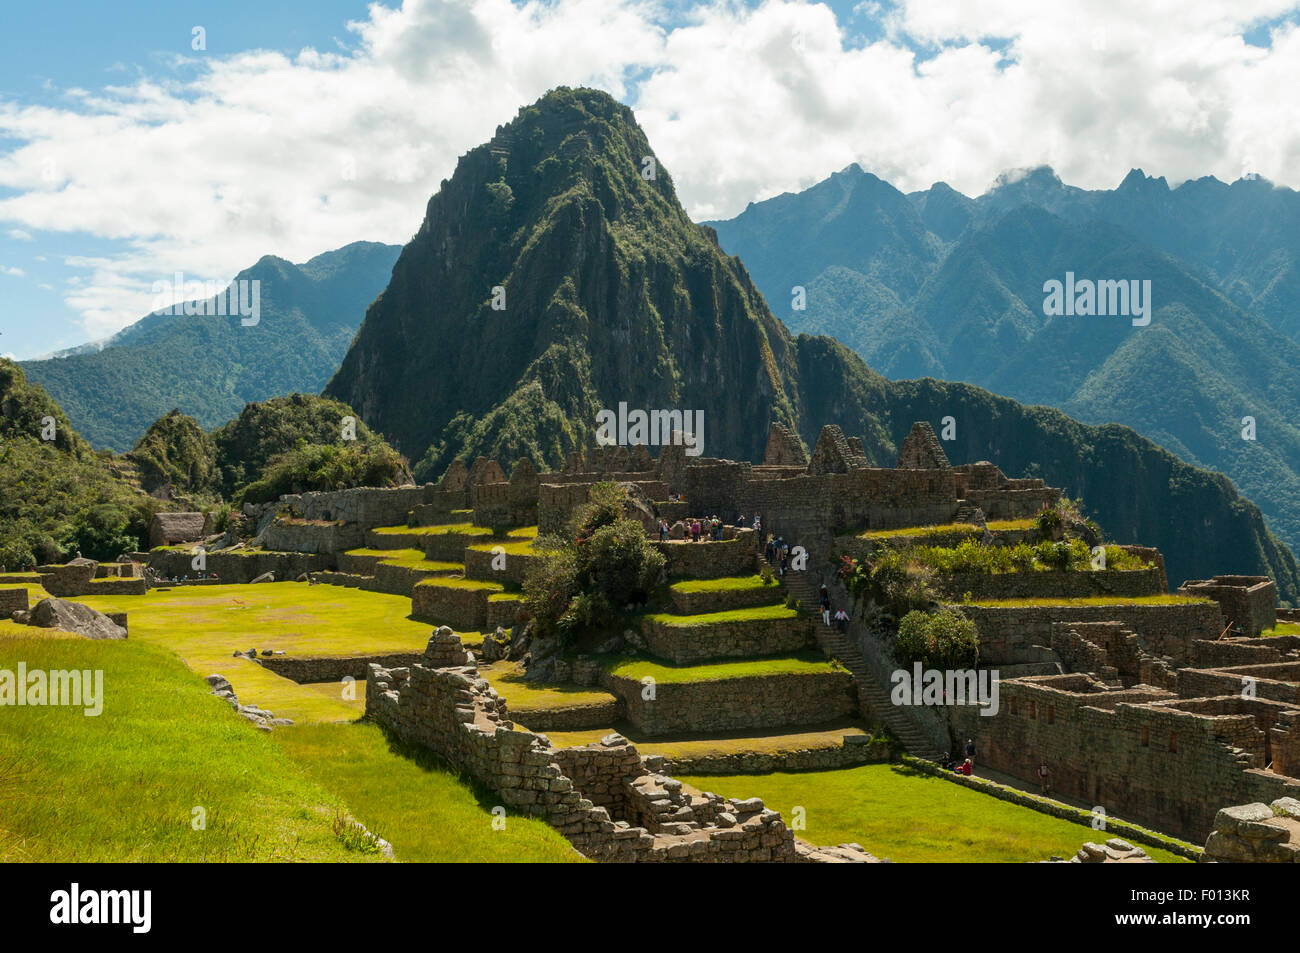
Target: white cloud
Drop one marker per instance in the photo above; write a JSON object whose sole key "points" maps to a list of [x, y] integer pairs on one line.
{"points": [[258, 152], [17, 234], [11, 271]]}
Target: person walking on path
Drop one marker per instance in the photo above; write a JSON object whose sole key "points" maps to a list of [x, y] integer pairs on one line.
{"points": [[1044, 777], [824, 597], [841, 620], [970, 750]]}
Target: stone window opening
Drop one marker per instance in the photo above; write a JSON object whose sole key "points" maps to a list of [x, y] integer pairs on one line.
{"points": [[1146, 736], [1173, 741], [1051, 714], [1033, 709]]}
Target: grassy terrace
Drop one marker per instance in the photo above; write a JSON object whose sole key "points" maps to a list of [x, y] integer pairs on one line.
{"points": [[1161, 600], [1283, 628], [467, 529], [757, 613], [804, 663], [725, 584], [205, 625], [408, 559], [457, 583], [994, 526], [508, 679], [512, 547], [908, 816]]}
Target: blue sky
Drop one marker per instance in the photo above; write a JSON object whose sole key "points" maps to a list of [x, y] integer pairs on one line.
{"points": [[126, 155]]}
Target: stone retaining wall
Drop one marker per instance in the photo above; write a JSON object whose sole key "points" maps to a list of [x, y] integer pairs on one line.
{"points": [[333, 668], [122, 586], [1008, 634], [1052, 584], [734, 704], [462, 609], [711, 560], [688, 644], [13, 600], [240, 566], [724, 600], [322, 538], [847, 755]]}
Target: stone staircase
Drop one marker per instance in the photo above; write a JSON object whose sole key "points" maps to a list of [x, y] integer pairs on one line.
{"points": [[873, 698]]}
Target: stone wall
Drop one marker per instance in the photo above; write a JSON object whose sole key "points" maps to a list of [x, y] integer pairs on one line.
{"points": [[443, 704], [12, 600], [478, 565], [1008, 634], [1052, 584], [240, 566], [856, 749], [1279, 681], [367, 507], [333, 668], [1246, 602], [291, 535], [723, 600], [464, 609], [711, 560], [734, 704], [684, 644], [117, 587], [1140, 753]]}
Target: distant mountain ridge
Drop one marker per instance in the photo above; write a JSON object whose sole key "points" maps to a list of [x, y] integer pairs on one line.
{"points": [[551, 280], [936, 284], [209, 366]]}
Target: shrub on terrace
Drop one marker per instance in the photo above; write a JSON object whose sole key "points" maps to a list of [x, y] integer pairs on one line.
{"points": [[944, 640]]}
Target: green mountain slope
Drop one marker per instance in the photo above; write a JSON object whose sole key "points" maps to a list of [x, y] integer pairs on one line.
{"points": [[1186, 381], [209, 366], [612, 295]]}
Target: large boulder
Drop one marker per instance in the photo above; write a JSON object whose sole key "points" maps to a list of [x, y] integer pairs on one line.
{"points": [[76, 618]]}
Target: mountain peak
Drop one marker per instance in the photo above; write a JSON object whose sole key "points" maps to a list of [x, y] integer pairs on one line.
{"points": [[1137, 180]]}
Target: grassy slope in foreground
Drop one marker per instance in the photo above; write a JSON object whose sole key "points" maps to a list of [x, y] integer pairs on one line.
{"points": [[406, 796], [907, 816], [123, 785]]}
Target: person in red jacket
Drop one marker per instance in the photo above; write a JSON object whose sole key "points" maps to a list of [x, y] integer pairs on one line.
{"points": [[967, 768]]}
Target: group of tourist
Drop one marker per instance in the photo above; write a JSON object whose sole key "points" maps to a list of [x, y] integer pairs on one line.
{"points": [[776, 551], [966, 767]]}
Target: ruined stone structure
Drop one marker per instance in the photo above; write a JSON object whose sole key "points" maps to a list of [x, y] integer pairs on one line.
{"points": [[609, 801], [1248, 603]]}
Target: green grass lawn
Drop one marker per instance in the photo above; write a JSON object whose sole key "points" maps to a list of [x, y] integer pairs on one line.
{"points": [[725, 584], [123, 785], [637, 669], [907, 816], [205, 625], [994, 526], [757, 613], [1283, 628], [419, 805]]}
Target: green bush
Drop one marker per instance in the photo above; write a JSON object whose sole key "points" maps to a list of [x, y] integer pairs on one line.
{"points": [[588, 580], [943, 640]]}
